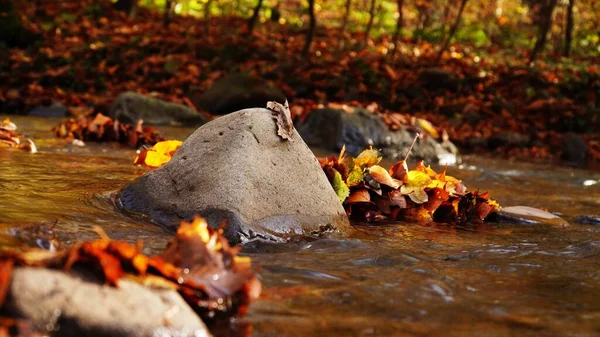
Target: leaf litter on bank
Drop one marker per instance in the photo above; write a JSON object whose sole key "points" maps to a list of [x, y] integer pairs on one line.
{"points": [[101, 128]]}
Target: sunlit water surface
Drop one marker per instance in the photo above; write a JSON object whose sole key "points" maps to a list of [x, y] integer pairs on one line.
{"points": [[398, 279]]}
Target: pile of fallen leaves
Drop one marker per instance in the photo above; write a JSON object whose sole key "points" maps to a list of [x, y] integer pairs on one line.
{"points": [[8, 138], [104, 129], [198, 262], [370, 192]]}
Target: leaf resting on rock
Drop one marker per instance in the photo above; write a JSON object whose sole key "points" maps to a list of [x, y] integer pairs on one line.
{"points": [[283, 117]]}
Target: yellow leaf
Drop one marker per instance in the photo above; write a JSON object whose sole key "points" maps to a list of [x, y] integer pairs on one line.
{"points": [[417, 179], [160, 154], [428, 127], [367, 158], [167, 147]]}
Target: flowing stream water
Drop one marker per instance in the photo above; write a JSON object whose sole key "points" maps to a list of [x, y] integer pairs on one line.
{"points": [[395, 279]]}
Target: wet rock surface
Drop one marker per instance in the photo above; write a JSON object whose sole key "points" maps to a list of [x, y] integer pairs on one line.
{"points": [[588, 220], [129, 107], [78, 304], [236, 92], [236, 169], [332, 128]]}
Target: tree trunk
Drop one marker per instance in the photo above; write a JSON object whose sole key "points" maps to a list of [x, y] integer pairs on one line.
{"points": [[310, 33], [254, 18], [445, 17], [207, 6], [546, 22], [370, 23], [168, 12], [127, 6], [346, 16], [569, 30], [398, 28], [452, 31]]}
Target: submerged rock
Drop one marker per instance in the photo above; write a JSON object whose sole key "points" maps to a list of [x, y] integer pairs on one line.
{"points": [[56, 109], [78, 304], [574, 150], [523, 215], [235, 92], [129, 107], [237, 169], [588, 220], [330, 129]]}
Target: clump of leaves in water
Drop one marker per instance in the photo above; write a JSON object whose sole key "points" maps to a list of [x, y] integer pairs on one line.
{"points": [[101, 128], [10, 139], [189, 265], [370, 192]]}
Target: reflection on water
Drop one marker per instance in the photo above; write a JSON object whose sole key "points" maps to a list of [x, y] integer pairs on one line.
{"points": [[392, 279]]}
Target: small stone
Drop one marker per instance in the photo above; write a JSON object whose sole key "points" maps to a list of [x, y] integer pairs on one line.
{"points": [[588, 220], [76, 303], [523, 215]]}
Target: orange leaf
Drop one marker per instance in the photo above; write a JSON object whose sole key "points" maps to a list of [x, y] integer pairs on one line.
{"points": [[360, 195], [383, 177]]}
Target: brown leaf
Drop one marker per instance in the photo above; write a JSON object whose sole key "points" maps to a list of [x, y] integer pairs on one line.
{"points": [[360, 195], [283, 116], [397, 199]]}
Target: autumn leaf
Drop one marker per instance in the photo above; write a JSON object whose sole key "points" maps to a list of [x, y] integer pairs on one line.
{"points": [[382, 176], [415, 185], [360, 195], [339, 186], [366, 159], [158, 155], [283, 117], [428, 127]]}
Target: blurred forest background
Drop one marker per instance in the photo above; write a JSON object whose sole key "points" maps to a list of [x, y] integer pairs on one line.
{"points": [[513, 76]]}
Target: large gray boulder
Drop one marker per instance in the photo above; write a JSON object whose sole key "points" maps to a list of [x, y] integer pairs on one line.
{"points": [[130, 106], [236, 168], [330, 129], [78, 304], [235, 92]]}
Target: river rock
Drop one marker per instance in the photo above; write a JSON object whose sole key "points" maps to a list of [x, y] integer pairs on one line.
{"points": [[236, 168], [55, 109], [588, 220], [330, 129], [574, 150], [438, 78], [236, 92], [508, 139], [523, 215], [129, 107], [78, 304]]}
